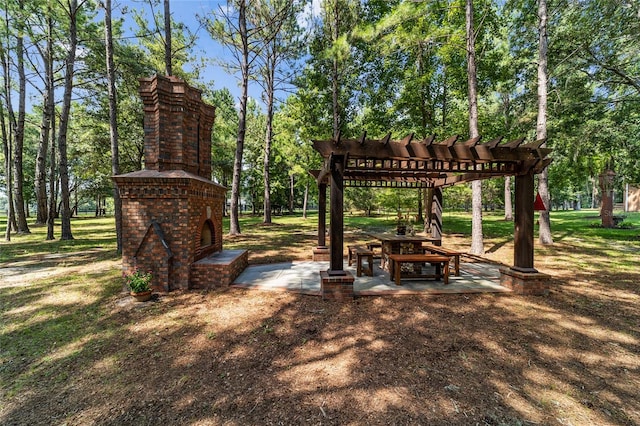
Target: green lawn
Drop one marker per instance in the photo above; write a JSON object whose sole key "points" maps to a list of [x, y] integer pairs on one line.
{"points": [[67, 347]]}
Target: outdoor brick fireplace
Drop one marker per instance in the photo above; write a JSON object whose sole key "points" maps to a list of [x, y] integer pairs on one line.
{"points": [[171, 210]]}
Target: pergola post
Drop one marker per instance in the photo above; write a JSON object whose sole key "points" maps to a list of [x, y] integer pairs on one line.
{"points": [[522, 277], [336, 283], [436, 214], [321, 251], [336, 237], [523, 232], [322, 215]]}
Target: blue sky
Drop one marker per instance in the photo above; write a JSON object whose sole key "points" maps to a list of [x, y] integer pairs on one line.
{"points": [[186, 11]]}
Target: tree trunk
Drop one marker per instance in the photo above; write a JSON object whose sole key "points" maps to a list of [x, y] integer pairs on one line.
{"points": [[428, 209], [306, 200], [53, 190], [444, 95], [267, 143], [477, 242], [167, 38], [606, 181], [6, 150], [41, 164], [541, 126], [234, 224], [18, 133], [113, 119], [508, 207], [64, 122], [45, 130], [335, 87], [292, 181]]}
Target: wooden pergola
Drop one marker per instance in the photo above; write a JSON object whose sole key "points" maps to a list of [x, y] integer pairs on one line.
{"points": [[409, 163]]}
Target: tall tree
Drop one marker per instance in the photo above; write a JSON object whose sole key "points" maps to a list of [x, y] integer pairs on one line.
{"points": [[541, 125], [72, 11], [6, 150], [279, 29], [113, 116], [48, 109], [17, 123], [169, 43], [477, 244], [167, 38], [232, 28]]}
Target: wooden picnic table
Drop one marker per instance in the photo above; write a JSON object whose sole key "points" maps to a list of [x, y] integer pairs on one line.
{"points": [[400, 244]]}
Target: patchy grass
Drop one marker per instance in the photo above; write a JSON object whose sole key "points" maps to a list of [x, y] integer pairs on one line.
{"points": [[75, 351]]}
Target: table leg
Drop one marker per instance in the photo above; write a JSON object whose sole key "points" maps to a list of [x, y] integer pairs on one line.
{"points": [[446, 272]]}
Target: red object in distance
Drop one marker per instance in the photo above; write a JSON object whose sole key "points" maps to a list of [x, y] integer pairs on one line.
{"points": [[538, 205]]}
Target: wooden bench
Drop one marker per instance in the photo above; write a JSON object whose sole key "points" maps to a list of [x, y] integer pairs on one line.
{"points": [[359, 254], [441, 263], [373, 246], [446, 252]]}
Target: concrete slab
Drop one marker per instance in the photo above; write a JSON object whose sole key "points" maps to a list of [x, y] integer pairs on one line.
{"points": [[304, 277]]}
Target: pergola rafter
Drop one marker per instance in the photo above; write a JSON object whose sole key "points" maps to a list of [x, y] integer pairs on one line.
{"points": [[427, 163]]}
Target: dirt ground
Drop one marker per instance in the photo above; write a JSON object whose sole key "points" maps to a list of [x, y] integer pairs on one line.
{"points": [[246, 357]]}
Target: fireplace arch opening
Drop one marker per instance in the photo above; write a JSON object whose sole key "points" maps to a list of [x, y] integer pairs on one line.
{"points": [[207, 234], [206, 240]]}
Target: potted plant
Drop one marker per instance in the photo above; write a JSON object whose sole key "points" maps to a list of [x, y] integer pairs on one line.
{"points": [[138, 284]]}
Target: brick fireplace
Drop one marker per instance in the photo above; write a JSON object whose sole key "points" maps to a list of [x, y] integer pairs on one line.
{"points": [[171, 210]]}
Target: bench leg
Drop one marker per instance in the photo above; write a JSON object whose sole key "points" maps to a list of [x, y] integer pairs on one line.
{"points": [[359, 265], [456, 264], [397, 266], [369, 271], [446, 272]]}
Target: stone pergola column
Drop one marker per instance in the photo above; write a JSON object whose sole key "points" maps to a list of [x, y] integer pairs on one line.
{"points": [[522, 277]]}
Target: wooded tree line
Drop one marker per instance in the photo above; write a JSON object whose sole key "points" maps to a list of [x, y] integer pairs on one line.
{"points": [[325, 68]]}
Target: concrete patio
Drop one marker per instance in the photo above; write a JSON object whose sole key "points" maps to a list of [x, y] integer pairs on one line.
{"points": [[304, 277]]}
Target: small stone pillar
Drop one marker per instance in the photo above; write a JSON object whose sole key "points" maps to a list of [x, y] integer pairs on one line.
{"points": [[336, 287]]}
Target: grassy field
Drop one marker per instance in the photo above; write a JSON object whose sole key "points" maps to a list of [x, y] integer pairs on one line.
{"points": [[73, 350]]}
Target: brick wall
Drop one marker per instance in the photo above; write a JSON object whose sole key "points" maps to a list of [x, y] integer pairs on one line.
{"points": [[179, 203], [177, 126]]}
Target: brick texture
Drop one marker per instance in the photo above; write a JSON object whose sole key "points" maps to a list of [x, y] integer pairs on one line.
{"points": [[337, 287], [172, 211], [532, 284], [207, 275]]}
